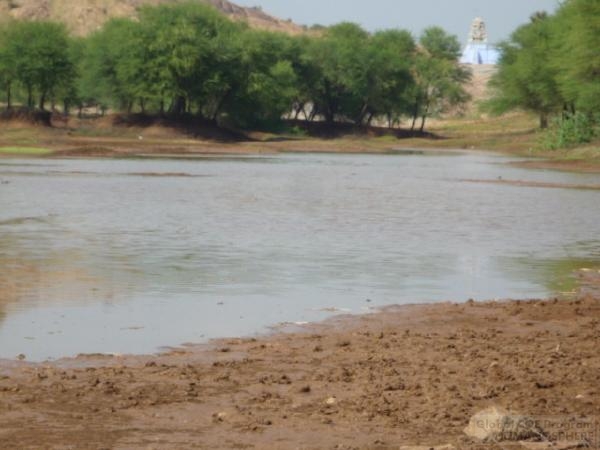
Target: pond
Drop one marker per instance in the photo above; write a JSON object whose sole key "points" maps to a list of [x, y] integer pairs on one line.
{"points": [[130, 255]]}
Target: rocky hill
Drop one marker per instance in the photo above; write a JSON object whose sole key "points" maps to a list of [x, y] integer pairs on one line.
{"points": [[85, 16]]}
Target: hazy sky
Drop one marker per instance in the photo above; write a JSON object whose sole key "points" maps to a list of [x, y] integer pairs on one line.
{"points": [[502, 16]]}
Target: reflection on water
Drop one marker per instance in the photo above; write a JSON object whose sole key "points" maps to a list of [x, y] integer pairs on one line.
{"points": [[557, 275], [129, 255]]}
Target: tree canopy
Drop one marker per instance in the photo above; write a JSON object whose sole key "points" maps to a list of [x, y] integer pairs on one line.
{"points": [[187, 58], [551, 66], [35, 57]]}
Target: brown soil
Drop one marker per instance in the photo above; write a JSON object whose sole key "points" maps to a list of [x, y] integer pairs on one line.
{"points": [[137, 135], [404, 376], [561, 164]]}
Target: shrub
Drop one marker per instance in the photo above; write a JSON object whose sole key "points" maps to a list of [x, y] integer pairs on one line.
{"points": [[570, 130]]}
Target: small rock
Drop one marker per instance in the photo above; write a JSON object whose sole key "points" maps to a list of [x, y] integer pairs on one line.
{"points": [[331, 401], [496, 425], [220, 417]]}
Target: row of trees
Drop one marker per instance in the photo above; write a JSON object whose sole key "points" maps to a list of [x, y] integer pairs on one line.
{"points": [[189, 58], [551, 66]]}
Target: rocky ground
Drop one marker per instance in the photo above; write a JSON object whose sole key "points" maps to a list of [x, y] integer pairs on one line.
{"points": [[405, 376]]}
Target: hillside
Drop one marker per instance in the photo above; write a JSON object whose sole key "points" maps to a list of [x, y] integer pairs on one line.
{"points": [[85, 16]]}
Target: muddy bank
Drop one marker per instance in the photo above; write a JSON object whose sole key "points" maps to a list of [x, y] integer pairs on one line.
{"points": [[144, 136], [538, 184], [407, 375], [571, 165]]}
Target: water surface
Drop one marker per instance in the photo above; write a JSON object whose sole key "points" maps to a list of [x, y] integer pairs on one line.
{"points": [[130, 255]]}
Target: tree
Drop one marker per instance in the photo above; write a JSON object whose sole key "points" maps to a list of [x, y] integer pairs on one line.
{"points": [[182, 52], [526, 77], [40, 55], [391, 56], [576, 59], [8, 75], [265, 84], [338, 61], [440, 79], [113, 65]]}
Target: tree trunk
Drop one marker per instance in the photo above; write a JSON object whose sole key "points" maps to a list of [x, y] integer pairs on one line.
{"points": [[304, 112], [415, 115], [299, 109], [8, 96], [220, 104], [179, 105], [29, 97], [43, 101], [424, 117], [362, 114]]}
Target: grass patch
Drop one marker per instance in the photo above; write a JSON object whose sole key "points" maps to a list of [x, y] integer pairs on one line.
{"points": [[24, 151]]}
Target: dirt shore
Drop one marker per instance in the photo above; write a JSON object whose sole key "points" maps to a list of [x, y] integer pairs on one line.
{"points": [[410, 375], [140, 136]]}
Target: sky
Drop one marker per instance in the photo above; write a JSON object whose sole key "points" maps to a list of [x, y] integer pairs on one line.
{"points": [[455, 16]]}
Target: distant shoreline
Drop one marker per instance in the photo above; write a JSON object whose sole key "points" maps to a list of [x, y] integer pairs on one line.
{"points": [[154, 137]]}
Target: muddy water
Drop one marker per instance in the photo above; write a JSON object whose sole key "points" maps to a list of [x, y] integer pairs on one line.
{"points": [[131, 255]]}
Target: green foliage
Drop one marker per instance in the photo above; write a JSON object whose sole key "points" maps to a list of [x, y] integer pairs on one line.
{"points": [[526, 78], [35, 57], [576, 55], [439, 78], [187, 58], [337, 64], [263, 81], [552, 65], [570, 130]]}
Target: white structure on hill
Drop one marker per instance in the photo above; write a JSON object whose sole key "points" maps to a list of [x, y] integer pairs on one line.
{"points": [[478, 51]]}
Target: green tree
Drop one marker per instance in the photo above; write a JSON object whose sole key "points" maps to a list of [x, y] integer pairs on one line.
{"points": [[41, 58], [264, 82], [183, 50], [526, 76], [341, 82], [8, 75], [114, 70], [389, 83], [439, 78], [576, 65]]}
